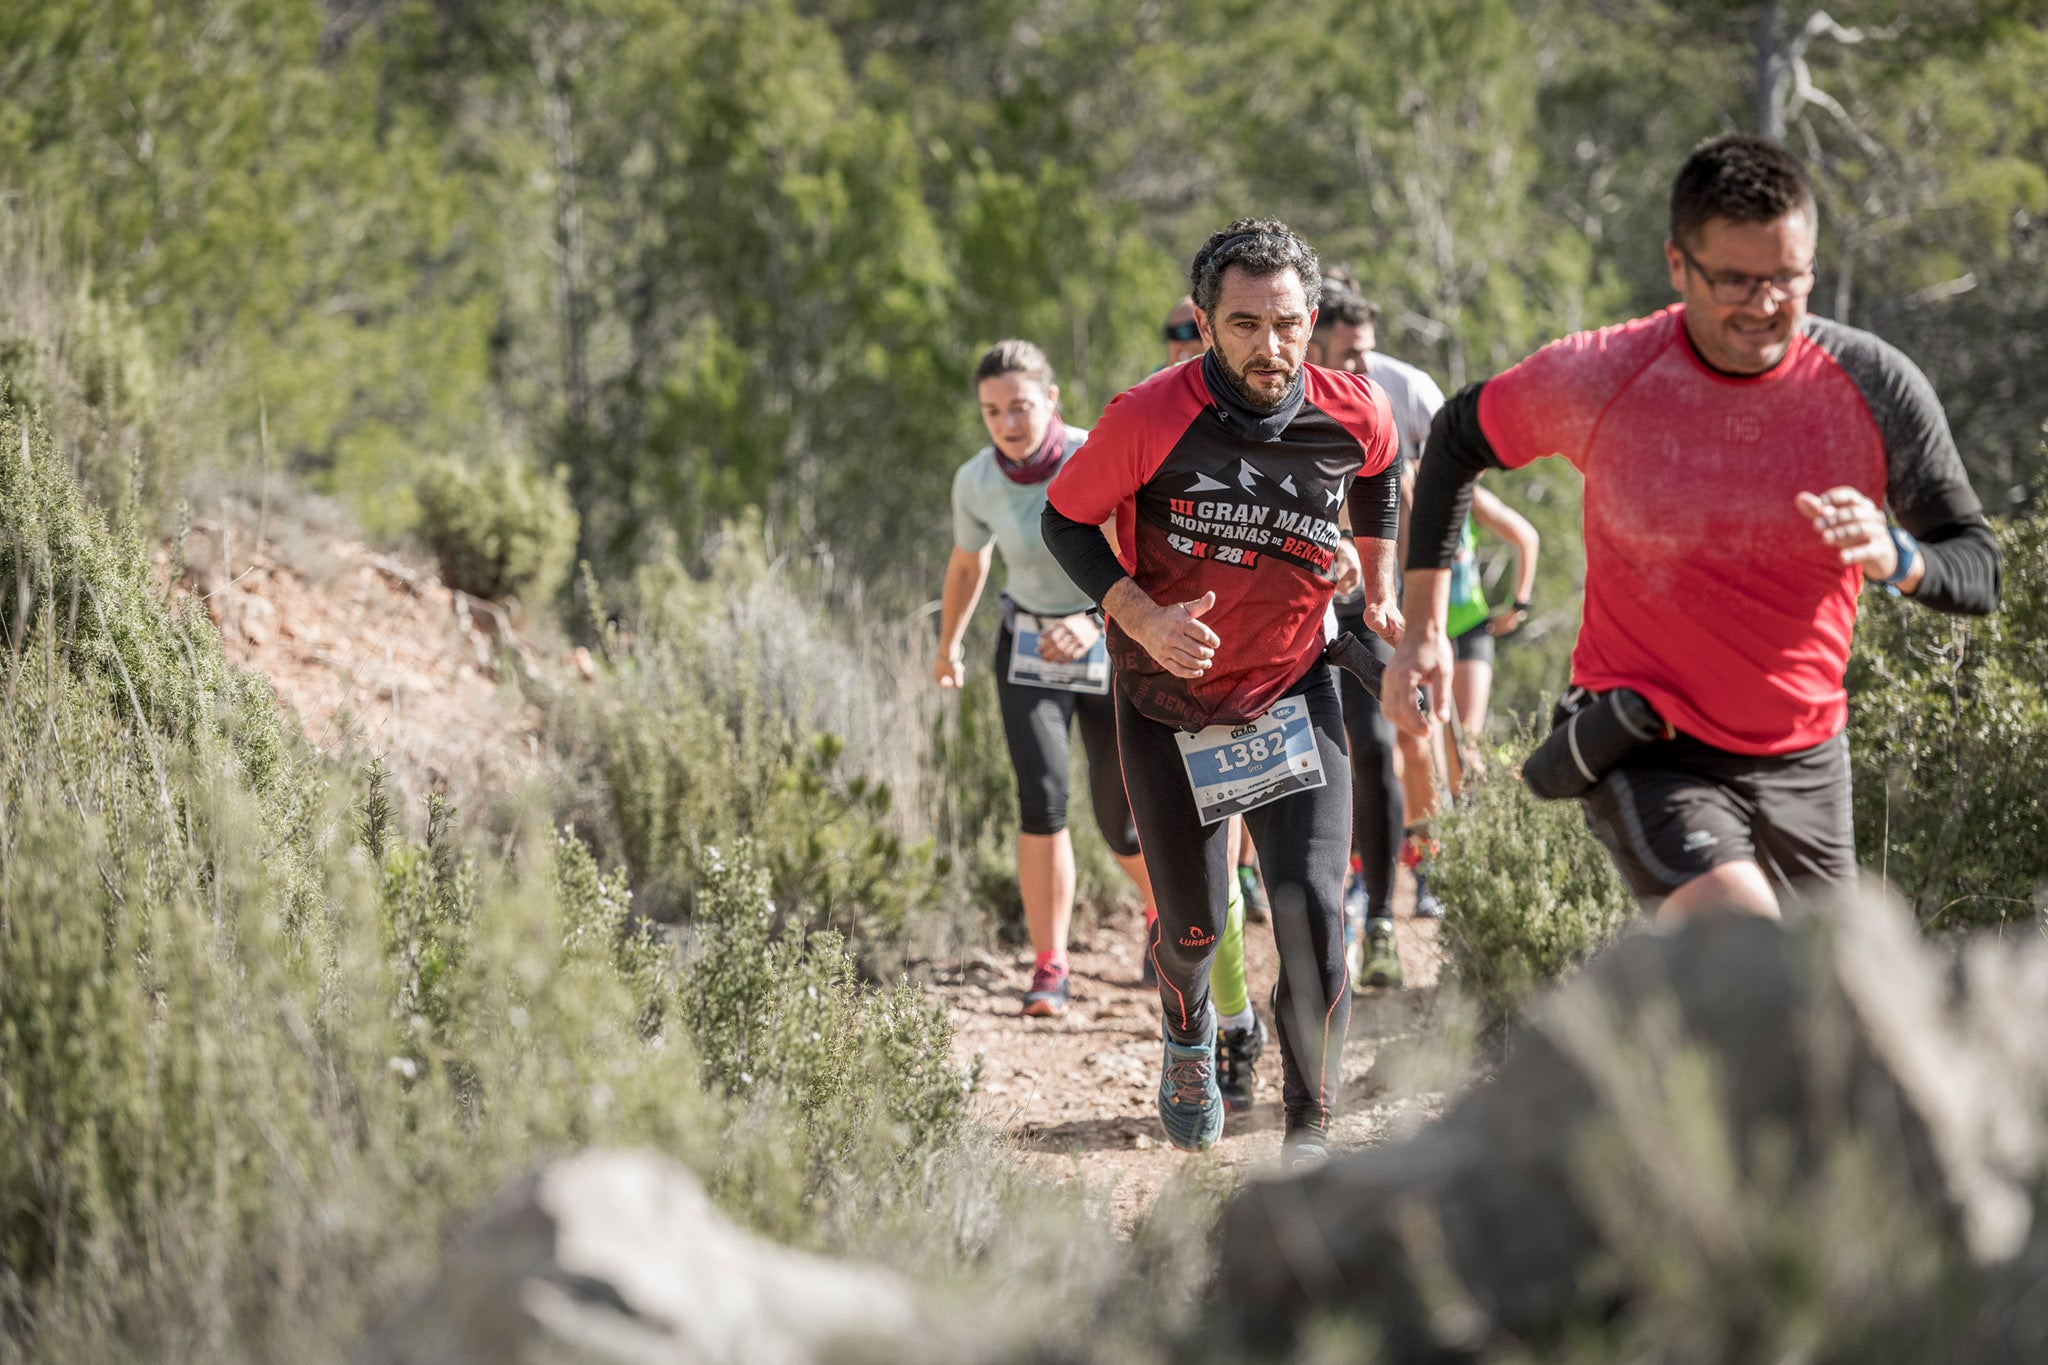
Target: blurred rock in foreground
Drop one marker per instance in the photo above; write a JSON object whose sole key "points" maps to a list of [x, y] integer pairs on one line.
{"points": [[619, 1257], [1734, 1141]]}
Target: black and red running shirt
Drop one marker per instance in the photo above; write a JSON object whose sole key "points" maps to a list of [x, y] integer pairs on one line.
{"points": [[1706, 589], [1211, 497]]}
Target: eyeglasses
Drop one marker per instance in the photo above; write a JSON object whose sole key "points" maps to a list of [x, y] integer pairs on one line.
{"points": [[1181, 331], [1732, 289]]}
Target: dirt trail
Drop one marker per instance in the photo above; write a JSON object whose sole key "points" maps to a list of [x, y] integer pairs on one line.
{"points": [[1078, 1092]]}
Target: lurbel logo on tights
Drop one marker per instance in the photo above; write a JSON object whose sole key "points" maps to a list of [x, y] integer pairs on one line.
{"points": [[1195, 938]]}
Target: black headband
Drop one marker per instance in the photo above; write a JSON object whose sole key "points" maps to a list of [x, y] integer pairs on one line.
{"points": [[1234, 239]]}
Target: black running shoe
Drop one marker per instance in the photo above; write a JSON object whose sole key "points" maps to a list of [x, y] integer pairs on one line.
{"points": [[1237, 1052], [1304, 1149]]}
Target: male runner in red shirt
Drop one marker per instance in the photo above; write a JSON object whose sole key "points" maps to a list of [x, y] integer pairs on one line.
{"points": [[1225, 476], [1739, 455]]}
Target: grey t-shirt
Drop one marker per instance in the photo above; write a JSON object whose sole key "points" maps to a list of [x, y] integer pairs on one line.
{"points": [[1415, 398], [987, 506]]}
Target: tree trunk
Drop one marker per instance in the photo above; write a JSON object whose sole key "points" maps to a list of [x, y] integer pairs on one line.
{"points": [[1773, 70], [554, 53]]}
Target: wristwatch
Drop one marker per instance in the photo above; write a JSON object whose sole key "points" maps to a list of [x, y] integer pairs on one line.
{"points": [[1909, 555]]}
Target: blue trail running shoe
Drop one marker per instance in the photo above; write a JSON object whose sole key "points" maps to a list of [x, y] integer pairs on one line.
{"points": [[1190, 1105]]}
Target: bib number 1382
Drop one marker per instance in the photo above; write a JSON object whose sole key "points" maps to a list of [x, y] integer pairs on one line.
{"points": [[1235, 768]]}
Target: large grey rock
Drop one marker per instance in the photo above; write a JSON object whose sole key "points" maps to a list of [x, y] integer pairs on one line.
{"points": [[620, 1257], [1690, 1116]]}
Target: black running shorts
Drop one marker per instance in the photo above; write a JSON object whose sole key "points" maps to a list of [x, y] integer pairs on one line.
{"points": [[1475, 646], [1677, 808]]}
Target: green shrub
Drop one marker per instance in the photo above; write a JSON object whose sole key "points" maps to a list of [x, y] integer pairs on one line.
{"points": [[499, 527], [260, 1044], [1948, 737], [1528, 892], [80, 360], [737, 708]]}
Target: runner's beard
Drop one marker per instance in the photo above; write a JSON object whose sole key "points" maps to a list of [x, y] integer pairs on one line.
{"points": [[1257, 402]]}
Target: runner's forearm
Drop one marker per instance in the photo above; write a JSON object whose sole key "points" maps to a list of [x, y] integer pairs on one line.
{"points": [[1128, 605], [1376, 560], [1426, 600], [1084, 552], [1451, 463], [966, 574]]}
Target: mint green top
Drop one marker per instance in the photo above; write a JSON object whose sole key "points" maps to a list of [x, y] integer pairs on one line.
{"points": [[987, 506]]}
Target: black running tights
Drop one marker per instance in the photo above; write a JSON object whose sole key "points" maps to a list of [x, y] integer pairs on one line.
{"points": [[1304, 843], [1377, 808]]}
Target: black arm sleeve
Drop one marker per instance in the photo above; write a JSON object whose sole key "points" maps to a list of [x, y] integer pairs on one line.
{"points": [[1083, 551], [1456, 454], [1925, 485], [1962, 574], [1375, 503]]}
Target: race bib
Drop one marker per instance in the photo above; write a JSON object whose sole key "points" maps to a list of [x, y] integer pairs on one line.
{"points": [[1089, 673], [1236, 768]]}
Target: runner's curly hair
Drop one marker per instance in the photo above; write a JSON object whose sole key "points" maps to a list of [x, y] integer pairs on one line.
{"points": [[1740, 177], [1013, 357], [1258, 246]]}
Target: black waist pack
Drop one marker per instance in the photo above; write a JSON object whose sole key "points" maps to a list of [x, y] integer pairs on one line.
{"points": [[1589, 735]]}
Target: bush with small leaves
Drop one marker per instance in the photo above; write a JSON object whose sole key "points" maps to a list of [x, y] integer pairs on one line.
{"points": [[1948, 740], [737, 708], [499, 527], [1528, 893], [261, 1043]]}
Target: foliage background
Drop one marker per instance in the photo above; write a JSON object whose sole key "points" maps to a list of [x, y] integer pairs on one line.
{"points": [[708, 256], [725, 265]]}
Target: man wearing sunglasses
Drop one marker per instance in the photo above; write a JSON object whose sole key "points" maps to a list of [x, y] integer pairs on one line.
{"points": [[1739, 457], [1183, 336]]}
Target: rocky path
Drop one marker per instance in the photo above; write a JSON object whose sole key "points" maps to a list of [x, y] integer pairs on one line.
{"points": [[1078, 1092]]}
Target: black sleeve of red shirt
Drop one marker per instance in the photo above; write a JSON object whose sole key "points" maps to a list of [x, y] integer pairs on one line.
{"points": [[1375, 503], [1082, 550], [1925, 485], [1453, 459], [1962, 561]]}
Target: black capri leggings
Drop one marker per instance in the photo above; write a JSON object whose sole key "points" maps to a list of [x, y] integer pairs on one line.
{"points": [[1035, 722]]}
